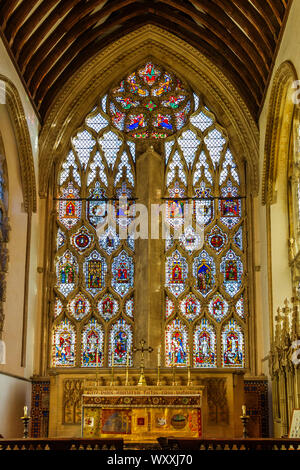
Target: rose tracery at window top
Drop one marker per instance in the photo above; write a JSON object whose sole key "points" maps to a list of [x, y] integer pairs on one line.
{"points": [[150, 102]]}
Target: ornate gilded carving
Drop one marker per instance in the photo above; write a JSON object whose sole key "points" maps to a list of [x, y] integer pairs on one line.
{"points": [[72, 392]]}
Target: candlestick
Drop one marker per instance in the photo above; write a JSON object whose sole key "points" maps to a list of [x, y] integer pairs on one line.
{"points": [[158, 366], [127, 365], [25, 419], [158, 356], [189, 381], [112, 382], [244, 409], [25, 412]]}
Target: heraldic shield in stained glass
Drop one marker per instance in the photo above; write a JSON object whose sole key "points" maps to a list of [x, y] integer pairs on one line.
{"points": [[217, 239], [120, 344], [108, 307], [79, 307], [95, 269], [82, 239], [204, 348], [176, 273], [122, 273], [232, 345], [176, 344], [69, 207], [232, 269], [92, 345], [63, 344], [204, 271], [67, 273]]}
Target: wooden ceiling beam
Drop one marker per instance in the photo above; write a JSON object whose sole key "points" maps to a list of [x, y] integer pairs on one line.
{"points": [[73, 20], [246, 25], [257, 20], [271, 17], [30, 24], [227, 31], [17, 18], [278, 12], [6, 9], [29, 48], [130, 26], [208, 38]]}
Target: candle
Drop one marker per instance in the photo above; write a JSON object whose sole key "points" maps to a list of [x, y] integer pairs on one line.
{"points": [[25, 411], [112, 358], [97, 358], [127, 360], [244, 410], [158, 357], [188, 359]]}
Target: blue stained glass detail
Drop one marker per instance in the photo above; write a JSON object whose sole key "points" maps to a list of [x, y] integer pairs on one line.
{"points": [[122, 273]]}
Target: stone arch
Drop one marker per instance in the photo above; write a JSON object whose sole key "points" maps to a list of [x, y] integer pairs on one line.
{"points": [[20, 126], [279, 123], [79, 94]]}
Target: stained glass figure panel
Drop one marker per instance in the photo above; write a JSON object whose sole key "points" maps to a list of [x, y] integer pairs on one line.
{"points": [[230, 208], [232, 269], [63, 344], [69, 206], [92, 344], [108, 307], [190, 307], [66, 273], [122, 273], [204, 271], [176, 344], [120, 344], [218, 307], [232, 345], [204, 345], [176, 273], [79, 307], [94, 269]]}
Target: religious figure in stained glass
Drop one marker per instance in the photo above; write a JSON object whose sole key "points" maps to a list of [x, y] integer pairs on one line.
{"points": [[66, 272], [122, 273], [176, 273], [63, 344], [95, 269], [92, 345], [120, 344], [204, 271], [176, 344], [218, 307], [79, 307], [108, 307], [190, 307], [69, 207], [204, 348], [232, 345], [232, 269]]}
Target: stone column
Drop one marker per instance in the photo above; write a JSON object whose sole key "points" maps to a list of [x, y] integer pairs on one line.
{"points": [[149, 258]]}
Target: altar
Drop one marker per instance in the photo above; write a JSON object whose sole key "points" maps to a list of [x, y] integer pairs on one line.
{"points": [[143, 414]]}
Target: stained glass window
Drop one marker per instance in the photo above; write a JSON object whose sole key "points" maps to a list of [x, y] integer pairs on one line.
{"points": [[205, 284]]}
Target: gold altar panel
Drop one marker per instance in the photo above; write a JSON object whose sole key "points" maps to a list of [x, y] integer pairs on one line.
{"points": [[141, 424]]}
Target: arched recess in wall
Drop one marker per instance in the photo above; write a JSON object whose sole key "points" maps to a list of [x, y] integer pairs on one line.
{"points": [[20, 126], [275, 185], [79, 95]]}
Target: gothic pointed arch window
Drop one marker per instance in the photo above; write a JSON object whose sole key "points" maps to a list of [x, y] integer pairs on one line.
{"points": [[205, 307]]}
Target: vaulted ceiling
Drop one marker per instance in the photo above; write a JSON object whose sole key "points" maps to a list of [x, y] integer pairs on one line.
{"points": [[50, 39]]}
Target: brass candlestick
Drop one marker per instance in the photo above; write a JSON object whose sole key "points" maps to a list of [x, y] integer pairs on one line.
{"points": [[189, 381], [25, 420], [158, 376], [127, 372], [142, 350], [245, 419], [174, 373]]}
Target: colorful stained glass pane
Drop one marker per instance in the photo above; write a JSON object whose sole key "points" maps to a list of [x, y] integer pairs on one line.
{"points": [[203, 205], [82, 239], [58, 307], [181, 116], [163, 121], [232, 269], [170, 307], [129, 307], [231, 207], [238, 238], [79, 307], [173, 101], [232, 345], [190, 307], [204, 347], [94, 269], [176, 344], [240, 307], [120, 344], [92, 345], [164, 86], [122, 273], [175, 212], [69, 207], [127, 102], [150, 105], [217, 239], [96, 206], [218, 307], [63, 345], [66, 273], [118, 118], [204, 271], [135, 87], [136, 121], [109, 241], [108, 307], [149, 74], [191, 240], [60, 239], [176, 273]]}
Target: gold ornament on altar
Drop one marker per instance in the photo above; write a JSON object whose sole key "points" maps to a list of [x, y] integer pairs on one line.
{"points": [[142, 350]]}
